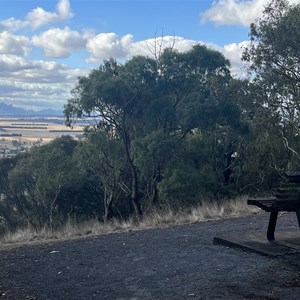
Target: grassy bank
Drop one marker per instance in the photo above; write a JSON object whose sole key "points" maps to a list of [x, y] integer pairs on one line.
{"points": [[208, 211]]}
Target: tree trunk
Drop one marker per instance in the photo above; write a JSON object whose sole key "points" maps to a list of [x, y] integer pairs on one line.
{"points": [[156, 178], [135, 181], [108, 200], [154, 194], [134, 193]]}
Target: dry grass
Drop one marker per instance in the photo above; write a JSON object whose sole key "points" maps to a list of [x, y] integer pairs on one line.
{"points": [[209, 211]]}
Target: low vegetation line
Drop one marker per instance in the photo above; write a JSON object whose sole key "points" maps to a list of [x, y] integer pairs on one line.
{"points": [[156, 219]]}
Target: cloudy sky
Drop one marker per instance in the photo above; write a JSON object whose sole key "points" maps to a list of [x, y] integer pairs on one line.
{"points": [[46, 44]]}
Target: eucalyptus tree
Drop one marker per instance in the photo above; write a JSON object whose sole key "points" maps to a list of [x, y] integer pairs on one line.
{"points": [[116, 95], [274, 57], [151, 107], [208, 113]]}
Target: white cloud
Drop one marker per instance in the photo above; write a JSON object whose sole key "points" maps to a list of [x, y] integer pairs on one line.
{"points": [[233, 52], [12, 24], [22, 70], [227, 12], [236, 12], [13, 44], [106, 45], [59, 43], [64, 10], [12, 63], [32, 95], [38, 83], [18, 69], [154, 46], [39, 17]]}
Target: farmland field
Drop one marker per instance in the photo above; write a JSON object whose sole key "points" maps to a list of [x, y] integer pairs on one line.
{"points": [[33, 129], [20, 134]]}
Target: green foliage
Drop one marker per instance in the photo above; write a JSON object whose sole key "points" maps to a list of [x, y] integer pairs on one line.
{"points": [[150, 106], [101, 157], [274, 55], [34, 183]]}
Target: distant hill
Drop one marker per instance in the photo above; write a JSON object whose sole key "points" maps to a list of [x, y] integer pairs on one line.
{"points": [[10, 110]]}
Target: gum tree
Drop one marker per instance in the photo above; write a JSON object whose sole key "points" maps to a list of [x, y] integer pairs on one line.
{"points": [[115, 95], [151, 106], [274, 57]]}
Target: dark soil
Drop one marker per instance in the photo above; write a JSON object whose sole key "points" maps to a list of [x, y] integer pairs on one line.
{"points": [[178, 262]]}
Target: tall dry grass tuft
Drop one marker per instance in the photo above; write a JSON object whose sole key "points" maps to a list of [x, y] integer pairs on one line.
{"points": [[208, 211]]}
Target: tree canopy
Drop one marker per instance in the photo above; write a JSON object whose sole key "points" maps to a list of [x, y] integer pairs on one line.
{"points": [[152, 106]]}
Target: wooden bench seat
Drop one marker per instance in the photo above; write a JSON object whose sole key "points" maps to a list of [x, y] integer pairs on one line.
{"points": [[274, 204], [286, 198]]}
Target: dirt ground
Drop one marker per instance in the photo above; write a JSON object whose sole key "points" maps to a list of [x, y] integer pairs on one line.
{"points": [[168, 263]]}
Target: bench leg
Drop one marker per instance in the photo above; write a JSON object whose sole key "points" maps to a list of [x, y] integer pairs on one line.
{"points": [[272, 225], [298, 216]]}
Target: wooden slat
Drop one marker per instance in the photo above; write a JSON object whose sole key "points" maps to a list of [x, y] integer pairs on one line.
{"points": [[286, 196]]}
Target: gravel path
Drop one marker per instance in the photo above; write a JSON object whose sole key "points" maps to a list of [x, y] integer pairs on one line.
{"points": [[178, 262]]}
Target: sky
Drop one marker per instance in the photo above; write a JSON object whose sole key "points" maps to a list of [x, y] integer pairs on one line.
{"points": [[46, 44]]}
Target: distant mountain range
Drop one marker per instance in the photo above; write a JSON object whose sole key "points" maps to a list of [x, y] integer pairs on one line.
{"points": [[10, 110]]}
